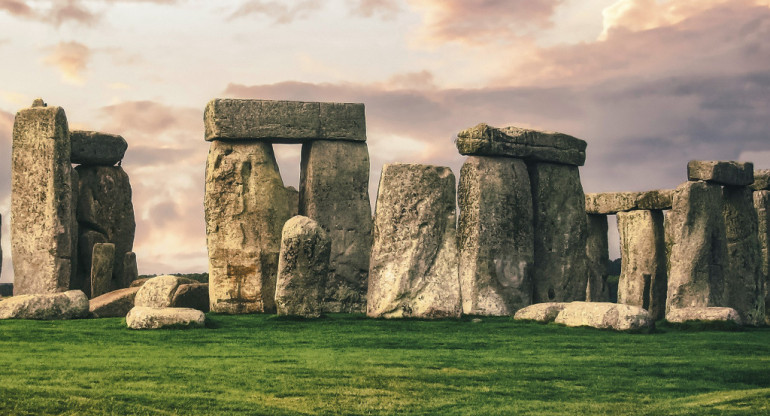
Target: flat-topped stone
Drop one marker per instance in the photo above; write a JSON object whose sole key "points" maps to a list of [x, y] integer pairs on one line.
{"points": [[542, 146], [723, 173], [141, 317], [94, 148], [704, 314], [283, 121], [113, 304], [610, 203], [604, 315], [65, 305], [761, 180], [540, 312]]}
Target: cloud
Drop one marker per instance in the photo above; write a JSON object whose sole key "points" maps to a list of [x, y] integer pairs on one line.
{"points": [[279, 12], [59, 12], [369, 8], [16, 8], [71, 59]]}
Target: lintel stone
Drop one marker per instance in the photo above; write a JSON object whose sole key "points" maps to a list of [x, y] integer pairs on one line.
{"points": [[94, 148], [610, 203], [723, 173], [761, 180]]}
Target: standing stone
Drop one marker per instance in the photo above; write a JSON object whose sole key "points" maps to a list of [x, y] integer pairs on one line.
{"points": [[745, 287], [292, 195], [598, 256], [761, 180], [303, 266], [762, 206], [75, 231], [643, 279], [414, 265], [86, 243], [334, 191], [246, 206], [41, 202], [560, 233], [495, 236], [130, 269], [102, 261]]}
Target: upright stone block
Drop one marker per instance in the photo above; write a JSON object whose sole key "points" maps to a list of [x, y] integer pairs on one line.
{"points": [[102, 260], [723, 173], [292, 195], [41, 202], [560, 233], [246, 207], [495, 236], [414, 264], [598, 256], [130, 269], [334, 191], [762, 206]]}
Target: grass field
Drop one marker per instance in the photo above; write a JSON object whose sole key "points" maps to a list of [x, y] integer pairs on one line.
{"points": [[342, 364]]}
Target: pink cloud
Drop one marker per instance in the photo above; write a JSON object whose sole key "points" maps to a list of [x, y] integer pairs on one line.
{"points": [[370, 8], [71, 59], [279, 12]]}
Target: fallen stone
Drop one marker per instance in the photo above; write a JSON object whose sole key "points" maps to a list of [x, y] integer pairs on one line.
{"points": [[604, 315], [115, 304], [159, 291], [102, 259], [597, 258], [192, 295], [762, 206], [130, 269], [495, 236], [540, 312], [140, 282], [157, 318], [723, 173], [414, 263], [49, 306], [94, 148], [610, 203], [283, 121], [761, 180], [704, 314]]}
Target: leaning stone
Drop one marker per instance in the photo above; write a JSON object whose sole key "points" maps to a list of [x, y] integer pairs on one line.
{"points": [[762, 206], [246, 206], [761, 180], [283, 121], [334, 191], [94, 148], [102, 260], [192, 295], [597, 258], [610, 203], [115, 304], [303, 266], [130, 269], [539, 146], [704, 314], [723, 173], [157, 318], [159, 291], [540, 312], [65, 305], [495, 236], [604, 315], [41, 207], [414, 265]]}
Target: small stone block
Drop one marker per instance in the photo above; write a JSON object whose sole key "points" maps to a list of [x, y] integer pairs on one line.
{"points": [[723, 173], [94, 148], [761, 180]]}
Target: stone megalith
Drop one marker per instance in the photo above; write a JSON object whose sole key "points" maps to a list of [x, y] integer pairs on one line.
{"points": [[334, 191], [643, 279], [761, 180], [130, 269], [102, 261], [762, 206], [720, 172], [303, 267], [94, 148], [495, 235], [246, 205], [41, 203], [414, 264], [597, 257]]}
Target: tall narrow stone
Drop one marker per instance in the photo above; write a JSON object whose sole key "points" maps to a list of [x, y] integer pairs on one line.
{"points": [[130, 269], [643, 279], [495, 236], [334, 191], [246, 207], [41, 202], [414, 264], [598, 256], [762, 205], [560, 233], [102, 260]]}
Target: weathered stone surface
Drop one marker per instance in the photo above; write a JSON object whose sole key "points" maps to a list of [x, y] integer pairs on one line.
{"points": [[159, 291], [614, 202], [87, 241], [140, 282], [484, 140], [695, 240], [303, 266], [102, 259], [292, 196], [141, 317], [744, 282], [761, 180], [597, 258], [115, 304], [762, 206], [540, 312], [246, 206], [334, 191], [560, 233], [705, 314], [66, 305], [723, 173], [604, 315], [94, 148], [414, 264], [192, 295], [130, 269], [41, 207], [643, 280], [283, 121], [495, 236]]}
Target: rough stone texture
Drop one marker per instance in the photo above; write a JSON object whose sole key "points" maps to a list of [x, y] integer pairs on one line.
{"points": [[762, 206], [695, 240], [87, 241], [130, 269], [643, 280], [292, 195], [761, 180], [192, 295], [102, 260], [159, 291], [75, 233], [41, 206], [66, 305], [115, 304], [283, 121], [94, 148], [540, 312], [706, 314], [303, 267], [334, 191], [246, 206], [604, 315], [141, 317], [560, 233], [140, 282], [723, 173], [597, 258], [495, 236], [614, 202], [745, 285], [414, 264], [541, 146]]}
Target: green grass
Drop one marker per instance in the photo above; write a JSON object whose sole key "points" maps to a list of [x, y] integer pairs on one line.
{"points": [[342, 364]]}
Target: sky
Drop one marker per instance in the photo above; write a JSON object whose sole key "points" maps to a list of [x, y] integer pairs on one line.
{"points": [[649, 84]]}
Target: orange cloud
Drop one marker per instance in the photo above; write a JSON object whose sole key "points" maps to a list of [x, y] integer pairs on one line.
{"points": [[369, 8], [71, 59], [279, 12]]}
